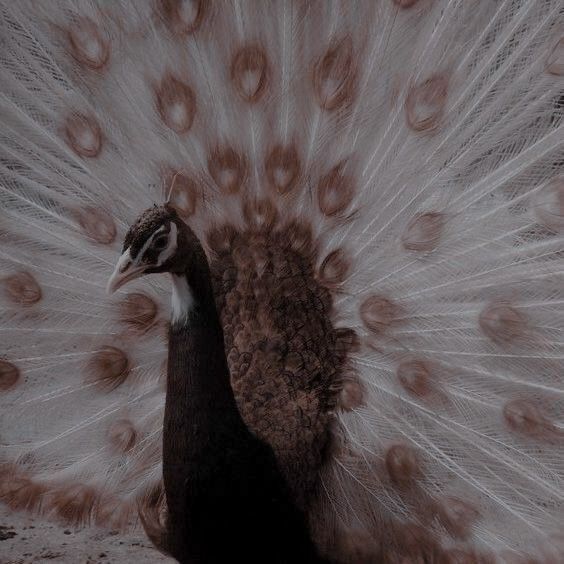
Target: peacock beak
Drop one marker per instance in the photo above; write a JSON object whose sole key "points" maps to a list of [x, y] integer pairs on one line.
{"points": [[125, 271]]}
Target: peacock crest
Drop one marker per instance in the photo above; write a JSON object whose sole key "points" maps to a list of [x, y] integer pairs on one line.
{"points": [[379, 189]]}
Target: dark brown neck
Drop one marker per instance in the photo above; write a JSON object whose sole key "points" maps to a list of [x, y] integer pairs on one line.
{"points": [[198, 382], [200, 405]]}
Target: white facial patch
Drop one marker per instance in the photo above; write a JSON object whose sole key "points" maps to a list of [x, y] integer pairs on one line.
{"points": [[182, 299], [123, 262]]}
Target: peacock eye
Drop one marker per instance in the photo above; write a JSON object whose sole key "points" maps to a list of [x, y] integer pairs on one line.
{"points": [[160, 243]]}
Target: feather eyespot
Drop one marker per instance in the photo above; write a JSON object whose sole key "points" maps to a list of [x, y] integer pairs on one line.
{"points": [[87, 44], [457, 516], [425, 104], [184, 193], [527, 418], [249, 73], [405, 4], [176, 104], [18, 490], [334, 268], [9, 375], [351, 396], [228, 168], [283, 168], [402, 464], [415, 377], [502, 323], [138, 311], [122, 435], [335, 191], [182, 18], [109, 368], [378, 313], [334, 76], [74, 504], [84, 135], [22, 288], [423, 232], [96, 224], [555, 61]]}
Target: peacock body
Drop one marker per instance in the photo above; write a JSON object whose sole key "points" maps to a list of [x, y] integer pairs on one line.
{"points": [[379, 189]]}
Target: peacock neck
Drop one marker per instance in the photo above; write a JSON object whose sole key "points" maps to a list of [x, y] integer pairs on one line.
{"points": [[199, 395], [200, 407], [197, 365]]}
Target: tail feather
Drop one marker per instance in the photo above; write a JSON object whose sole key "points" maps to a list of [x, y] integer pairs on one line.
{"points": [[411, 149], [150, 510]]}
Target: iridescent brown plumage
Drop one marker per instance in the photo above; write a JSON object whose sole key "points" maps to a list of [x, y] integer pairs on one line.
{"points": [[285, 356]]}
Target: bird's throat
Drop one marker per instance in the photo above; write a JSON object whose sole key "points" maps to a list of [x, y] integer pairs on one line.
{"points": [[193, 303], [182, 300]]}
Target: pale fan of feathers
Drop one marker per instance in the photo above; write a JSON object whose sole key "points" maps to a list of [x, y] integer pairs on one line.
{"points": [[446, 119]]}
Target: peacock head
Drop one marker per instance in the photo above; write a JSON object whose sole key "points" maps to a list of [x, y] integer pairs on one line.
{"points": [[158, 241]]}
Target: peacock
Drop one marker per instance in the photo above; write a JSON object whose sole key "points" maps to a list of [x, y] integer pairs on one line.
{"points": [[220, 480], [371, 196]]}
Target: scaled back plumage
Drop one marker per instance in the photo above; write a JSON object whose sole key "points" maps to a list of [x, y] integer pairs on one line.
{"points": [[379, 188]]}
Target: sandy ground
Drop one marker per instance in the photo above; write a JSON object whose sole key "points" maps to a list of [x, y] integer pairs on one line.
{"points": [[24, 540]]}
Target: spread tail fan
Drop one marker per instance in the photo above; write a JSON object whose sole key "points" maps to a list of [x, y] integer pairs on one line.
{"points": [[380, 189]]}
